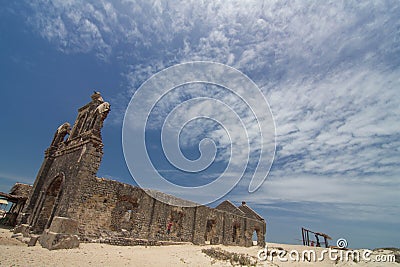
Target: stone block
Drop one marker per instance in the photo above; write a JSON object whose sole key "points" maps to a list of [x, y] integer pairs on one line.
{"points": [[64, 225], [25, 240], [23, 229], [33, 240], [17, 235], [61, 234], [54, 241]]}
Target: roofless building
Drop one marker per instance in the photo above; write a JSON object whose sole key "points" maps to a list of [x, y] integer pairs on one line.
{"points": [[68, 204]]}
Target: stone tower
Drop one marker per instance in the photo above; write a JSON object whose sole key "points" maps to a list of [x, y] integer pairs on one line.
{"points": [[72, 159]]}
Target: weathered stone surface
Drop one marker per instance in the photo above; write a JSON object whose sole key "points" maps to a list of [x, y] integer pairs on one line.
{"points": [[23, 229], [16, 235], [54, 241], [61, 234], [33, 240], [20, 189], [64, 225]]}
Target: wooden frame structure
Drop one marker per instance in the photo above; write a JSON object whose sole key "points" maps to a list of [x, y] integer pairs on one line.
{"points": [[305, 233]]}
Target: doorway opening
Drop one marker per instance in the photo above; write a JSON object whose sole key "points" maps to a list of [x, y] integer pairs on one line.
{"points": [[236, 232], [210, 231], [49, 204]]}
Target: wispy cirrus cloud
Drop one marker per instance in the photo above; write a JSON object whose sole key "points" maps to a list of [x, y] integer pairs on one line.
{"points": [[345, 123], [329, 70]]}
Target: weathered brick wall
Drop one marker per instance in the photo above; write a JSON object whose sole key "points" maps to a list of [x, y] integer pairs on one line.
{"points": [[233, 229], [68, 161], [66, 193], [107, 207], [230, 207], [257, 226], [20, 189], [110, 209]]}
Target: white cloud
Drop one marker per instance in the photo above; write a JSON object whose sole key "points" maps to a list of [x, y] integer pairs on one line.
{"points": [[338, 197], [339, 124]]}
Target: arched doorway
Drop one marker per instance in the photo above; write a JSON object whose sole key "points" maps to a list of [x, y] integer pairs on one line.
{"points": [[48, 205], [210, 233], [124, 214], [176, 219], [236, 232], [254, 237]]}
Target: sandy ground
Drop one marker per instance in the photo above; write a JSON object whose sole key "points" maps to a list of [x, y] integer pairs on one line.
{"points": [[15, 253]]}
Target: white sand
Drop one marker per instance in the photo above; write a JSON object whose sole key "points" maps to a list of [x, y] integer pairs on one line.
{"points": [[15, 253]]}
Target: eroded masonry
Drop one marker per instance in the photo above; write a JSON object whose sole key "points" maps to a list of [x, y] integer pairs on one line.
{"points": [[68, 204]]}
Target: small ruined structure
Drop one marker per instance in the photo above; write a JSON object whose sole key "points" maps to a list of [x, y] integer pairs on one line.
{"points": [[68, 203], [18, 195]]}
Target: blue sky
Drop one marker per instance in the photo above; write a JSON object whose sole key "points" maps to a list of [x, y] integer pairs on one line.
{"points": [[329, 70]]}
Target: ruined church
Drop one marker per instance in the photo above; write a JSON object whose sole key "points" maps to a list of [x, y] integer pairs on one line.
{"points": [[68, 204]]}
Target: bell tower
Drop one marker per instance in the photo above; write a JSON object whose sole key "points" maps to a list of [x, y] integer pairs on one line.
{"points": [[90, 118], [71, 161]]}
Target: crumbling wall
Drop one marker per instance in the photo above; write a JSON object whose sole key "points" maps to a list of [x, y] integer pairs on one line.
{"points": [[69, 162], [110, 209], [255, 227], [22, 190]]}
